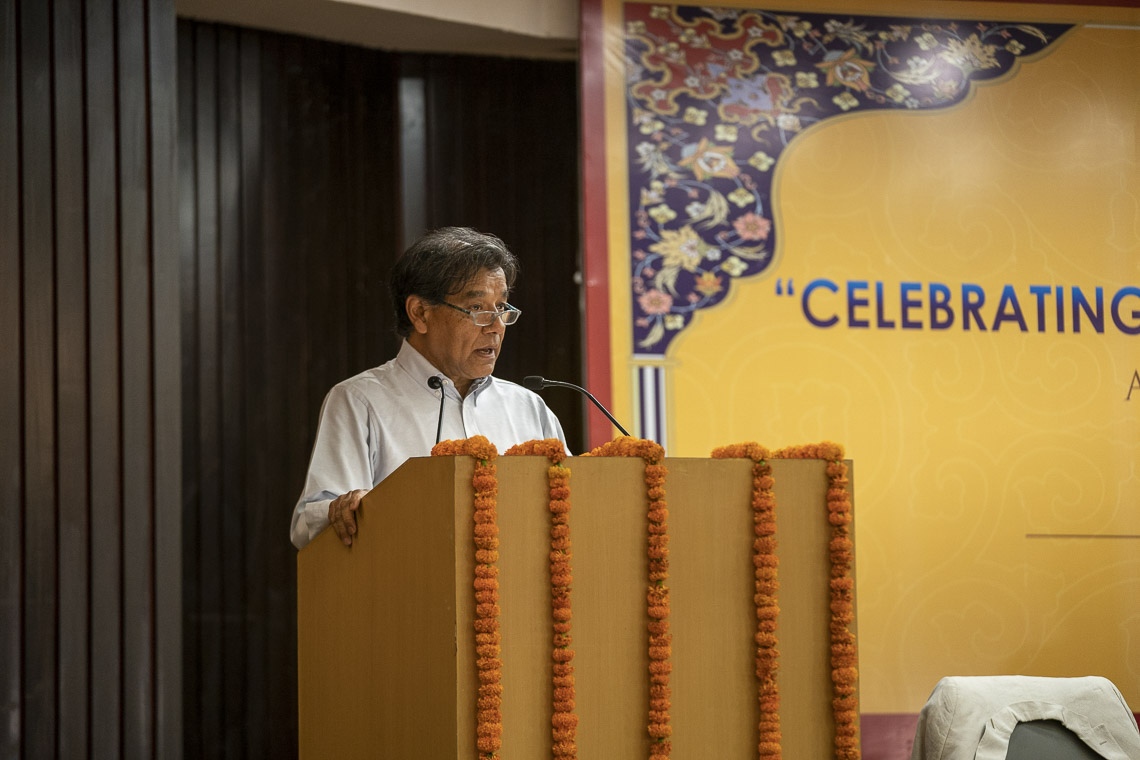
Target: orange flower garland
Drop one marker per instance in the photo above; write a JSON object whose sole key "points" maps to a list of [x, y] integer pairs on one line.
{"points": [[489, 717], [844, 659], [767, 586], [564, 721], [657, 597], [844, 671]]}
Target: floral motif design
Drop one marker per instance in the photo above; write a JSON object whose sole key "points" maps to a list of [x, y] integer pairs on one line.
{"points": [[715, 95]]}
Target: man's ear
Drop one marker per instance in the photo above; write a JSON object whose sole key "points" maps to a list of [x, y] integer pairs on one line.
{"points": [[417, 312]]}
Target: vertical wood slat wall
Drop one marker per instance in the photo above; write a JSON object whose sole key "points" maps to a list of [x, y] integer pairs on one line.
{"points": [[501, 140], [147, 306], [289, 184], [286, 185], [90, 588]]}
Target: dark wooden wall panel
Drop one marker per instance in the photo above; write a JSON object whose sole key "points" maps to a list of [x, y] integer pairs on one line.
{"points": [[162, 374], [278, 210], [11, 394], [71, 352], [501, 139], [258, 534], [162, 70], [138, 394], [277, 446], [231, 285], [38, 316], [90, 441], [263, 568], [106, 448], [190, 487]]}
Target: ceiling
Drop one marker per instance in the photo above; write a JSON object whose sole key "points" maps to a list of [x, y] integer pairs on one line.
{"points": [[512, 28]]}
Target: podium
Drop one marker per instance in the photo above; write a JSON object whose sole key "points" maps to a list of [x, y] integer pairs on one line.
{"points": [[385, 638]]}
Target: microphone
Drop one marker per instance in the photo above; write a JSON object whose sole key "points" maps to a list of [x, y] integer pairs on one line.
{"points": [[536, 383], [437, 385]]}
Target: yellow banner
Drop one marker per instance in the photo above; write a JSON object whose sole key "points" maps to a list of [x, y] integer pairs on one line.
{"points": [[951, 289]]}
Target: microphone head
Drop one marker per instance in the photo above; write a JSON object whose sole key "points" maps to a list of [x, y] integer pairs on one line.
{"points": [[435, 383], [534, 382]]}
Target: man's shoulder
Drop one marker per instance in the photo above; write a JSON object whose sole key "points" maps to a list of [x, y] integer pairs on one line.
{"points": [[514, 393], [506, 386], [526, 408], [373, 380]]}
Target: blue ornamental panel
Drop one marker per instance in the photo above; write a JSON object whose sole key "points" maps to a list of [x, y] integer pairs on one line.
{"points": [[714, 96]]}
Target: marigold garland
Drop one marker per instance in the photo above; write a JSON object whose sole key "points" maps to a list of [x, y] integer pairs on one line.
{"points": [[767, 585], [488, 715], [564, 720], [657, 597], [844, 657]]}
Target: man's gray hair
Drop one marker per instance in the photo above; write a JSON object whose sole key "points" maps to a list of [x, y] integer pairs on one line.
{"points": [[440, 263]]}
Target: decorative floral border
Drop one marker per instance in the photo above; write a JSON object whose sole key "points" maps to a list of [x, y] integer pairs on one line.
{"points": [[714, 95]]}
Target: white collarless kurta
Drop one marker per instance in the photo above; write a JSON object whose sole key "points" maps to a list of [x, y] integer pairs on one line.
{"points": [[373, 422]]}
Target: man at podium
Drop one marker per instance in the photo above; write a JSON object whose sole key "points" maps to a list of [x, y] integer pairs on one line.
{"points": [[449, 293]]}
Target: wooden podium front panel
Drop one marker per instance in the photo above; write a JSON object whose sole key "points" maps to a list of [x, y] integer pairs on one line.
{"points": [[524, 620], [803, 536], [377, 657], [715, 708], [398, 678], [608, 525]]}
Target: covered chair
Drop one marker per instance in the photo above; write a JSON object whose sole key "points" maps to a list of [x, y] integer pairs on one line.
{"points": [[1007, 717]]}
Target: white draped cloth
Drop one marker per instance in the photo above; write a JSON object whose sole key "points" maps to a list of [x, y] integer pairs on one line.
{"points": [[972, 717]]}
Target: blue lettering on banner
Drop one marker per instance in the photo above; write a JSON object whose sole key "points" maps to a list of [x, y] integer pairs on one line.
{"points": [[941, 314], [863, 305]]}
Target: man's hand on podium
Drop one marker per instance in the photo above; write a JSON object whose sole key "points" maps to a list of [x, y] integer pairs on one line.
{"points": [[342, 514]]}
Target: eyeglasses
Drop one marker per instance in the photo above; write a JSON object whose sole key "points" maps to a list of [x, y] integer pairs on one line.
{"points": [[509, 315]]}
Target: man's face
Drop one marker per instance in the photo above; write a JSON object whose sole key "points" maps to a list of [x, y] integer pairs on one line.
{"points": [[450, 340]]}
